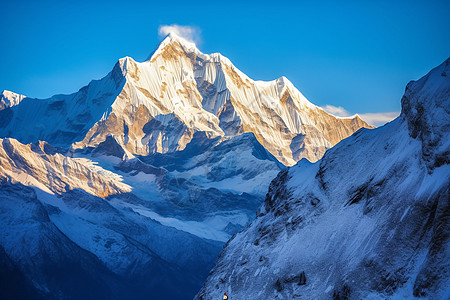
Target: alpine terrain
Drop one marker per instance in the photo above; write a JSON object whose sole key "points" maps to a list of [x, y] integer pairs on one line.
{"points": [[370, 220], [133, 184]]}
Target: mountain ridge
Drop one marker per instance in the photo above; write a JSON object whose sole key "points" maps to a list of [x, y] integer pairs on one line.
{"points": [[367, 221], [188, 91]]}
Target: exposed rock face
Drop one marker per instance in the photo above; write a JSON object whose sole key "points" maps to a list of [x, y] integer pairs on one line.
{"points": [[109, 147], [156, 107], [370, 220]]}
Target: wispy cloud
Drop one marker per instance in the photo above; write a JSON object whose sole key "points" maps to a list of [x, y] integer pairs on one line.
{"points": [[378, 119], [338, 111], [375, 119], [190, 33]]}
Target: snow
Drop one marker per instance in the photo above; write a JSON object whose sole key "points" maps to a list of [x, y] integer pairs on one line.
{"points": [[210, 228], [238, 184], [404, 213], [173, 37], [187, 91], [360, 217], [10, 99], [164, 111]]}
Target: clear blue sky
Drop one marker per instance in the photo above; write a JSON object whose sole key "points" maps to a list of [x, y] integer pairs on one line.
{"points": [[354, 54]]}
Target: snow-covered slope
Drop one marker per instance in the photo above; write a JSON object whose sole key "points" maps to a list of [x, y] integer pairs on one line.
{"points": [[41, 166], [137, 218], [9, 99], [370, 220], [67, 223], [62, 119], [156, 107]]}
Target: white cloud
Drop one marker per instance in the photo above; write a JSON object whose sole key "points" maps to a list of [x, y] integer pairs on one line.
{"points": [[338, 111], [375, 119], [190, 33], [379, 119]]}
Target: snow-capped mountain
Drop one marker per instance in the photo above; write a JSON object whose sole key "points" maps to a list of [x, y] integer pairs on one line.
{"points": [[71, 229], [370, 220], [9, 99], [158, 105], [139, 178], [143, 223]]}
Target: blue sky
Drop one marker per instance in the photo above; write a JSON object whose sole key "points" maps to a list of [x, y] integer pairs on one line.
{"points": [[355, 55]]}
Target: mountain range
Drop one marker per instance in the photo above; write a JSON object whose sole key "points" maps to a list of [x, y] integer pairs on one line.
{"points": [[158, 105], [132, 187], [134, 183]]}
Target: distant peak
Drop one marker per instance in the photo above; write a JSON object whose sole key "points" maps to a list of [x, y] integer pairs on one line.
{"points": [[9, 99], [11, 95], [7, 93]]}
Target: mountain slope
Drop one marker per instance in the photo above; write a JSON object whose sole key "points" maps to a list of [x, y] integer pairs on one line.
{"points": [[61, 119], [138, 219], [59, 235], [10, 99], [41, 166], [156, 107], [368, 221]]}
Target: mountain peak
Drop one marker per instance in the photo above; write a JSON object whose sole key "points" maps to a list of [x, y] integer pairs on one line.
{"points": [[430, 94], [425, 108], [172, 38], [9, 99], [9, 94], [175, 37], [157, 106]]}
